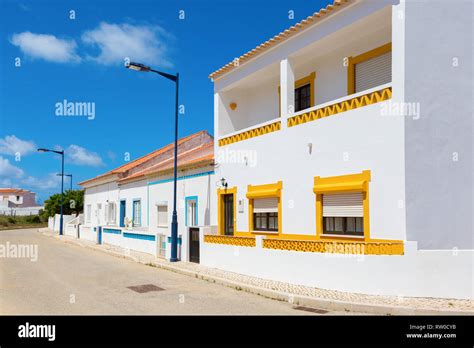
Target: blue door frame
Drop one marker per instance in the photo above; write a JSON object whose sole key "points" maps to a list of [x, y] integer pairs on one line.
{"points": [[122, 212], [186, 206], [99, 235]]}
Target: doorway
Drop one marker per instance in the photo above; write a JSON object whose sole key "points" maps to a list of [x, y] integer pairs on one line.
{"points": [[122, 213], [228, 200], [194, 244]]}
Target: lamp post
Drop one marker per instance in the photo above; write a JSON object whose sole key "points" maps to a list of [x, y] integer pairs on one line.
{"points": [[174, 221], [62, 184], [70, 177]]}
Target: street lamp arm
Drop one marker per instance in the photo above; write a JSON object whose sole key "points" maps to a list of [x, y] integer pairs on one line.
{"points": [[168, 76]]}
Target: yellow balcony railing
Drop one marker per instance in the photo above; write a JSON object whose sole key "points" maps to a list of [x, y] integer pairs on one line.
{"points": [[251, 133], [346, 105], [230, 240]]}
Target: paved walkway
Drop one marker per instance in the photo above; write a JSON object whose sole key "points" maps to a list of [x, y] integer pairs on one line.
{"points": [[297, 294]]}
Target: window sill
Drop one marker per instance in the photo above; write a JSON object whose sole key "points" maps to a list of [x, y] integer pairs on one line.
{"points": [[341, 236], [264, 232]]}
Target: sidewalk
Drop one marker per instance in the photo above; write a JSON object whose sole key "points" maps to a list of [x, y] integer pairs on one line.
{"points": [[299, 295]]}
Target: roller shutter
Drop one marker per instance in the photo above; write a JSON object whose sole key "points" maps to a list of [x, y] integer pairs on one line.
{"points": [[373, 72], [265, 205], [344, 205]]}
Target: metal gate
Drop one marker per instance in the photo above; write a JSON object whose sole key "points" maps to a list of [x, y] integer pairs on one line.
{"points": [[194, 244]]}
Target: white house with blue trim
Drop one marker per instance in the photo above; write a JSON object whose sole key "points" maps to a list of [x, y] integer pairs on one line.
{"points": [[131, 206]]}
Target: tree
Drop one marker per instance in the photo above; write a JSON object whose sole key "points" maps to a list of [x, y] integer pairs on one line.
{"points": [[73, 203]]}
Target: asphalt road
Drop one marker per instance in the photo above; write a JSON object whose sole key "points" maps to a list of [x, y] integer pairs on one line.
{"points": [[69, 279]]}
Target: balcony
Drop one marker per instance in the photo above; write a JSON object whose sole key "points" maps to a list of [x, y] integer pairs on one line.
{"points": [[338, 106], [308, 79]]}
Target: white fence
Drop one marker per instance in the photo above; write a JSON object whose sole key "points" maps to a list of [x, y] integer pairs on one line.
{"points": [[26, 211]]}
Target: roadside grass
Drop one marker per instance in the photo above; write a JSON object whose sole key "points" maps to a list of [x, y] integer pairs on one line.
{"points": [[16, 222]]}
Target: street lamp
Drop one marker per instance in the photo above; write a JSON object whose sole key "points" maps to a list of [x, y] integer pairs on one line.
{"points": [[62, 184], [70, 177], [174, 221]]}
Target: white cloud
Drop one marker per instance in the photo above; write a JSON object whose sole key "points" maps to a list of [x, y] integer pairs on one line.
{"points": [[52, 181], [81, 156], [47, 47], [8, 170], [11, 145], [147, 44]]}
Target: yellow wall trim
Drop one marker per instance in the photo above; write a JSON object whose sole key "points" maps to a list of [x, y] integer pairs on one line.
{"points": [[354, 103], [255, 132], [361, 58], [263, 191], [337, 247], [230, 240]]}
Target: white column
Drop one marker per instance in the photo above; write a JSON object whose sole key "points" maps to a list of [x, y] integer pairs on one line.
{"points": [[287, 90]]}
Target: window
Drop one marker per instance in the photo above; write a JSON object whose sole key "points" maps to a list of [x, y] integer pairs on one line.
{"points": [[162, 215], [304, 92], [111, 213], [370, 69], [343, 214], [265, 214], [137, 213], [98, 213], [303, 97], [88, 213], [191, 211]]}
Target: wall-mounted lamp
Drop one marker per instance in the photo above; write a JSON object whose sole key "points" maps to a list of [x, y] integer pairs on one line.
{"points": [[310, 147], [224, 183], [233, 106]]}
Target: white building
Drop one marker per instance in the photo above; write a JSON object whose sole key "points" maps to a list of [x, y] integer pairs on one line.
{"points": [[131, 206], [345, 143], [16, 201]]}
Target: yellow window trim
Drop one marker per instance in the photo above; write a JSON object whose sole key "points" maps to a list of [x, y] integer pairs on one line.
{"points": [[220, 208], [361, 58], [342, 183], [299, 83], [264, 191]]}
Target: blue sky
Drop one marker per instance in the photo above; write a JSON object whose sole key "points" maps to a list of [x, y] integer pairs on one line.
{"points": [[47, 57]]}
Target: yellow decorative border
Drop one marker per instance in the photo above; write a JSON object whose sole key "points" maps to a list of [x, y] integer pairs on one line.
{"points": [[252, 133], [230, 240], [346, 105], [343, 247]]}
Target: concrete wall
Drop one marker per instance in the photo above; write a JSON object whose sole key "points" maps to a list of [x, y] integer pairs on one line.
{"points": [[439, 145], [442, 274]]}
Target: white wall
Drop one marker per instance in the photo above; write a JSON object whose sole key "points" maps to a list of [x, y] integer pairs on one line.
{"points": [[368, 140], [434, 273], [439, 144], [204, 187], [100, 194]]}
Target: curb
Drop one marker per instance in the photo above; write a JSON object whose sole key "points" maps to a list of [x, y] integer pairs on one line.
{"points": [[301, 300]]}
